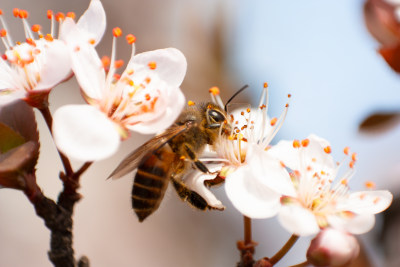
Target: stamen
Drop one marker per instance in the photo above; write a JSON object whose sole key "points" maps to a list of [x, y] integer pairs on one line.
{"points": [[71, 15], [327, 149], [118, 63], [130, 38], [60, 16], [273, 121], [16, 12], [105, 60], [49, 14], [296, 143], [346, 150], [152, 65], [117, 32], [305, 142], [23, 14], [370, 185], [36, 28]]}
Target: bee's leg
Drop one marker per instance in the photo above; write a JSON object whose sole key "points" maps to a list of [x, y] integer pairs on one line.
{"points": [[199, 165], [214, 182], [193, 198]]}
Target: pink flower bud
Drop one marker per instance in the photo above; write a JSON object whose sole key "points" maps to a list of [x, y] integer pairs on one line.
{"points": [[333, 248]]}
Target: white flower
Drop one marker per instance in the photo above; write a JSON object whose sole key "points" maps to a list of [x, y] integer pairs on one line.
{"points": [[146, 97], [30, 69], [250, 164], [318, 202], [332, 247]]}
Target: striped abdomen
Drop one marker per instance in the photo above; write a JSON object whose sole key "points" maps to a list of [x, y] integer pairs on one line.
{"points": [[151, 181]]}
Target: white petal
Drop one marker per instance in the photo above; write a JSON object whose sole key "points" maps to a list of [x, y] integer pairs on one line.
{"points": [[171, 65], [269, 171], [173, 106], [370, 202], [55, 63], [298, 220], [194, 180], [86, 63], [249, 196], [285, 152], [84, 133], [93, 21], [9, 96], [358, 224], [7, 76]]}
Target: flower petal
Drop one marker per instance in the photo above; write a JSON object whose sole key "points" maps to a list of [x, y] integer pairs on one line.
{"points": [[249, 196], [369, 202], [84, 133], [93, 21], [269, 171], [170, 65], [194, 180], [355, 224], [55, 63], [173, 105], [298, 220], [86, 63]]}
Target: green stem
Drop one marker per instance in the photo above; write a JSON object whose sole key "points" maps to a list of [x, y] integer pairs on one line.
{"points": [[282, 252]]}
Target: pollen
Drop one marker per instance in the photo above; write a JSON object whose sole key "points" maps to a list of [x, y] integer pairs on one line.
{"points": [[147, 97], [248, 110], [147, 80], [354, 156], [116, 76], [152, 65], [30, 41], [36, 28], [71, 15], [92, 41], [1, 12], [296, 143], [289, 95], [242, 113], [48, 37], [106, 61], [214, 90], [118, 63], [351, 164], [327, 149], [23, 14], [376, 200], [305, 142], [282, 164], [3, 33], [344, 182], [49, 14], [16, 12], [370, 185], [60, 16], [117, 32], [130, 38], [273, 121], [190, 103], [346, 150], [182, 158], [265, 85], [129, 72]]}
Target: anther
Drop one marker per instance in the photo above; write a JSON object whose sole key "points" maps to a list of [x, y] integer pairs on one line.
{"points": [[105, 60], [36, 28], [190, 103], [117, 32], [351, 164], [30, 41], [147, 80], [49, 14], [344, 182], [346, 150], [60, 16], [354, 156], [48, 37], [242, 113], [147, 97], [296, 143], [265, 85], [23, 14], [3, 33], [289, 95], [327, 149], [248, 110], [117, 76], [129, 72], [71, 15], [273, 121], [1, 12], [92, 41], [370, 185], [130, 38], [118, 63], [16, 12], [152, 65], [305, 142]]}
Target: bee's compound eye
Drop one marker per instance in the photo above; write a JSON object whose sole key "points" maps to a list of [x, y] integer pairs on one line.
{"points": [[216, 115]]}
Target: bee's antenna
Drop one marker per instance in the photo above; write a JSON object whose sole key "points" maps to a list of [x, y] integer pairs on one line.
{"points": [[234, 95]]}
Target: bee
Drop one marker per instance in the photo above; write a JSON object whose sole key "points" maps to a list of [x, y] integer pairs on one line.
{"points": [[170, 155]]}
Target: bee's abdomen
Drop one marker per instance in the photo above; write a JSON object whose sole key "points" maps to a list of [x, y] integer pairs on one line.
{"points": [[151, 181]]}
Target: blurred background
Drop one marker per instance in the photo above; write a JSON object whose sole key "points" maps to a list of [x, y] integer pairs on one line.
{"points": [[319, 51]]}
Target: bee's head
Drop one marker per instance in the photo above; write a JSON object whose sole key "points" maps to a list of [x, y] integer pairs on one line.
{"points": [[216, 119]]}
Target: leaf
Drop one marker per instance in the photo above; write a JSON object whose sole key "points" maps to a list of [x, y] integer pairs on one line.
{"points": [[9, 138], [380, 122]]}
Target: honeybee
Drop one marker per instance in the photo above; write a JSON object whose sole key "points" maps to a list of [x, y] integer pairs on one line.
{"points": [[170, 155]]}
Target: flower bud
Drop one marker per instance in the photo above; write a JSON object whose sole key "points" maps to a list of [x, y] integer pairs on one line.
{"points": [[333, 248]]}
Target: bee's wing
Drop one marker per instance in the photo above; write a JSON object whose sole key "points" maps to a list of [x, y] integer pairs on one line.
{"points": [[132, 161]]}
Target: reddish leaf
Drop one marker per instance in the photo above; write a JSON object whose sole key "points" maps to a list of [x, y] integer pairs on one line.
{"points": [[380, 122]]}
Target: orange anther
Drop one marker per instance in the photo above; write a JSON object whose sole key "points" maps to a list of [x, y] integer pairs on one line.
{"points": [[282, 164], [117, 76], [129, 72], [248, 110], [354, 156], [305, 142], [92, 41], [4, 56], [117, 32], [118, 63], [344, 181], [49, 14], [3, 32], [214, 90], [309, 168], [242, 113], [182, 158], [346, 150], [287, 105], [147, 97], [16, 12], [106, 61], [71, 15], [36, 28], [147, 80], [60, 16], [23, 14], [30, 41], [296, 143], [327, 149], [48, 37], [265, 85], [1, 12], [152, 65], [351, 164], [289, 95], [191, 103], [370, 185], [273, 121], [130, 38]]}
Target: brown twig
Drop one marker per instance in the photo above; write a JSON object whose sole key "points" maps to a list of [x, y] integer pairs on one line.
{"points": [[246, 247], [282, 252]]}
